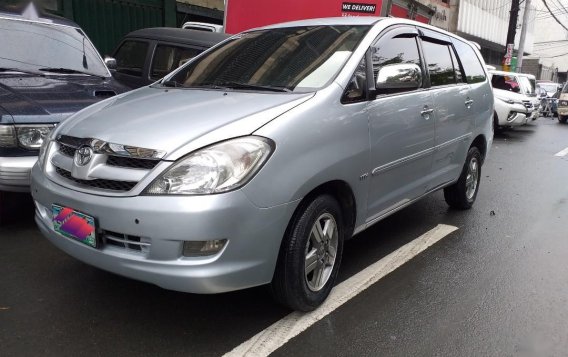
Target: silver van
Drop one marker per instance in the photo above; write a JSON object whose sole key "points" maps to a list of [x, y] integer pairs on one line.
{"points": [[255, 161]]}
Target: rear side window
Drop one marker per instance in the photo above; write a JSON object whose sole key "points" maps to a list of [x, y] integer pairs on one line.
{"points": [[440, 65], [130, 57], [167, 58], [472, 67]]}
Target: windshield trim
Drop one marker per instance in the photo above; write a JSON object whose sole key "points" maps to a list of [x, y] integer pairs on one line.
{"points": [[108, 74]]}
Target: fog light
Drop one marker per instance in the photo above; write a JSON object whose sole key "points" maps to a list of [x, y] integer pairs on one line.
{"points": [[203, 247], [512, 116]]}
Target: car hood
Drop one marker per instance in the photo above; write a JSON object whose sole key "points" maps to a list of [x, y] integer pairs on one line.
{"points": [[50, 99], [169, 119]]}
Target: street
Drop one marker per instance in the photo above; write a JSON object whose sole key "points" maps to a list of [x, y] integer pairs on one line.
{"points": [[496, 286]]}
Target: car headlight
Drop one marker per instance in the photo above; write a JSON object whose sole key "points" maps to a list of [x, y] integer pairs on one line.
{"points": [[32, 136], [214, 169]]}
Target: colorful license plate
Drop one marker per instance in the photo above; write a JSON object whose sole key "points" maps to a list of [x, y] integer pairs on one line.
{"points": [[74, 225]]}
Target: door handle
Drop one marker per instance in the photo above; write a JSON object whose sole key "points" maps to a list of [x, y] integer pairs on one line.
{"points": [[468, 103], [427, 111]]}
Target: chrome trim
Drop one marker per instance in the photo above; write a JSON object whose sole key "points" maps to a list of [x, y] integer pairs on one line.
{"points": [[417, 155], [103, 147], [401, 161]]}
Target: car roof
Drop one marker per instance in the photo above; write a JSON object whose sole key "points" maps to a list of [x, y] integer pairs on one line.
{"points": [[170, 34]]}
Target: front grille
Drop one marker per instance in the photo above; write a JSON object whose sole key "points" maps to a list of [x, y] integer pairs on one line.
{"points": [[67, 150], [110, 185], [131, 163], [127, 242]]}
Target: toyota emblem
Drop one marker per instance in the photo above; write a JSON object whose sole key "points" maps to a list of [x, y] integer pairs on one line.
{"points": [[83, 155]]}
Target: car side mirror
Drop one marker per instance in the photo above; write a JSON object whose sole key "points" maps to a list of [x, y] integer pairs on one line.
{"points": [[110, 63], [399, 76]]}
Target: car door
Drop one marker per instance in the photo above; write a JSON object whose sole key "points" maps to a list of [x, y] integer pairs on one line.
{"points": [[454, 122], [401, 128]]}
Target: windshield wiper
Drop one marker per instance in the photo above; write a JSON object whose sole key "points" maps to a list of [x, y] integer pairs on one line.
{"points": [[18, 70], [237, 85], [66, 71]]}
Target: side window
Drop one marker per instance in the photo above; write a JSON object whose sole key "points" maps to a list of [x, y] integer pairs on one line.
{"points": [[130, 57], [472, 67], [439, 61], [167, 58], [508, 83], [357, 88], [393, 51]]}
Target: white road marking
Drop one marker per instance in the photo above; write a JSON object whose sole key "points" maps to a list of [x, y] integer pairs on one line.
{"points": [[276, 335], [562, 153]]}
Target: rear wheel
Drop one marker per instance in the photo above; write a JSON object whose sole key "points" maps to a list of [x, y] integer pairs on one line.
{"points": [[562, 118], [462, 194], [310, 255]]}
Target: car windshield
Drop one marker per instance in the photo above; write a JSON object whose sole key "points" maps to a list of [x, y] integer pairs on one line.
{"points": [[295, 59], [505, 83], [526, 86], [549, 87], [47, 48]]}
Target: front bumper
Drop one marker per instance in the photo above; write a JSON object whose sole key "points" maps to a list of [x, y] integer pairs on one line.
{"points": [[563, 111], [15, 173], [248, 259]]}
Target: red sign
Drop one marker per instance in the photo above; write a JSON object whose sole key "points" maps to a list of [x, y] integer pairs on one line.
{"points": [[243, 15]]}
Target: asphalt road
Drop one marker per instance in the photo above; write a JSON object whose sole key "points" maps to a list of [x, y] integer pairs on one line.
{"points": [[498, 286]]}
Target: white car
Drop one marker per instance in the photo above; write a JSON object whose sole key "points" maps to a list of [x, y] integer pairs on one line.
{"points": [[516, 87], [510, 110]]}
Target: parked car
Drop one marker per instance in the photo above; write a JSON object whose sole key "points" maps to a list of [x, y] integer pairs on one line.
{"points": [[48, 70], [145, 56], [252, 163], [563, 105], [509, 110], [515, 87], [202, 26]]}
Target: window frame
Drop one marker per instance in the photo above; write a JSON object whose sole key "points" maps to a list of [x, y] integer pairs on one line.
{"points": [[149, 48]]}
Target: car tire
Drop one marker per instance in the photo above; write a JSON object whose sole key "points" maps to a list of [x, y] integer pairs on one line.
{"points": [[562, 118], [309, 256], [462, 194]]}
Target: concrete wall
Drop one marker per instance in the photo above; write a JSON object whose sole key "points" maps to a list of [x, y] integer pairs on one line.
{"points": [[551, 44]]}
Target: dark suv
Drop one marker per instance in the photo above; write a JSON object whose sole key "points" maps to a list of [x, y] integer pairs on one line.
{"points": [[144, 56], [48, 70]]}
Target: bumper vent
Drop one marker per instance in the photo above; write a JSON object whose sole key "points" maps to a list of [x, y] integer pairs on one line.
{"points": [[111, 185], [127, 242]]}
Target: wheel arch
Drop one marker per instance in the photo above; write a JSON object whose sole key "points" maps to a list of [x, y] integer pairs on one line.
{"points": [[481, 143]]}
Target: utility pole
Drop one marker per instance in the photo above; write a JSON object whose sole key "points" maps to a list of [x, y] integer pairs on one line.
{"points": [[511, 31], [523, 35]]}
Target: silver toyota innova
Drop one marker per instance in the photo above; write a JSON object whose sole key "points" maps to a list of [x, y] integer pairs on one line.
{"points": [[254, 162]]}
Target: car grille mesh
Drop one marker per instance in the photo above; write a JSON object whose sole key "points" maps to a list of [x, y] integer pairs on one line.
{"points": [[111, 185], [67, 150], [131, 163]]}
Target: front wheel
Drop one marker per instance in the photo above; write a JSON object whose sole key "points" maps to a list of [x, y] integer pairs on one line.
{"points": [[462, 194], [562, 118], [310, 255]]}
